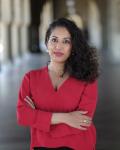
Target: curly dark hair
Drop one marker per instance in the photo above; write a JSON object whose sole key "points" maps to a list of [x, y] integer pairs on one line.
{"points": [[83, 60]]}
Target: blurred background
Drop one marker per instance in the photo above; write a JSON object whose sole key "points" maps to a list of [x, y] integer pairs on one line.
{"points": [[23, 24]]}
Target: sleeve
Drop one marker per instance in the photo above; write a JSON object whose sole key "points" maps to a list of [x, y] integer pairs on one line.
{"points": [[26, 116], [89, 98]]}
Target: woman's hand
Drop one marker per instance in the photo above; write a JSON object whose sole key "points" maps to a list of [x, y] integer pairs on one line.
{"points": [[78, 119], [29, 101]]}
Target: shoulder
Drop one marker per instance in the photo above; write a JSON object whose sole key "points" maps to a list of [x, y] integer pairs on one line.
{"points": [[91, 89], [35, 73], [85, 84]]}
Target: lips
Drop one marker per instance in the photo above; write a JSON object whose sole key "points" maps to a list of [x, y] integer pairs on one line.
{"points": [[58, 53]]}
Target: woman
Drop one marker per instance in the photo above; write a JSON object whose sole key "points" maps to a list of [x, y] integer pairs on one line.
{"points": [[58, 101]]}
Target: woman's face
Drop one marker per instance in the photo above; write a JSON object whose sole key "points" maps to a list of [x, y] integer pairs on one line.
{"points": [[59, 45]]}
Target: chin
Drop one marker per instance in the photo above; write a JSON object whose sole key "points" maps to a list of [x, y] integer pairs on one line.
{"points": [[59, 60]]}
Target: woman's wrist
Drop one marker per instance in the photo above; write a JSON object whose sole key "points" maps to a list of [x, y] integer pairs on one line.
{"points": [[58, 118]]}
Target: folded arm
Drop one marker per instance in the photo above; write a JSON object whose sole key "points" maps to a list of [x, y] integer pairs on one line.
{"points": [[27, 116]]}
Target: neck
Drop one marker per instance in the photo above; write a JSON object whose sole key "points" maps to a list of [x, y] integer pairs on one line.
{"points": [[56, 67]]}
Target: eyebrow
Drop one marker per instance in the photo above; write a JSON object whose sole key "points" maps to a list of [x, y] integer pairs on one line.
{"points": [[63, 38]]}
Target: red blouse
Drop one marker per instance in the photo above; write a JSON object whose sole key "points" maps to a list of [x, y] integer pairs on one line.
{"points": [[72, 95]]}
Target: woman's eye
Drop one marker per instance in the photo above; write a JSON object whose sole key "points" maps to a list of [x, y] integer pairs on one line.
{"points": [[54, 40], [67, 42]]}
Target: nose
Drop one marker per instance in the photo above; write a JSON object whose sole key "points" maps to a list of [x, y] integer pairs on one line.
{"points": [[59, 45]]}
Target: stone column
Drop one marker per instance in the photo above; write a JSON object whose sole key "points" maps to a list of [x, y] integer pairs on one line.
{"points": [[94, 25], [5, 31], [46, 18], [15, 28], [25, 25], [114, 31]]}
